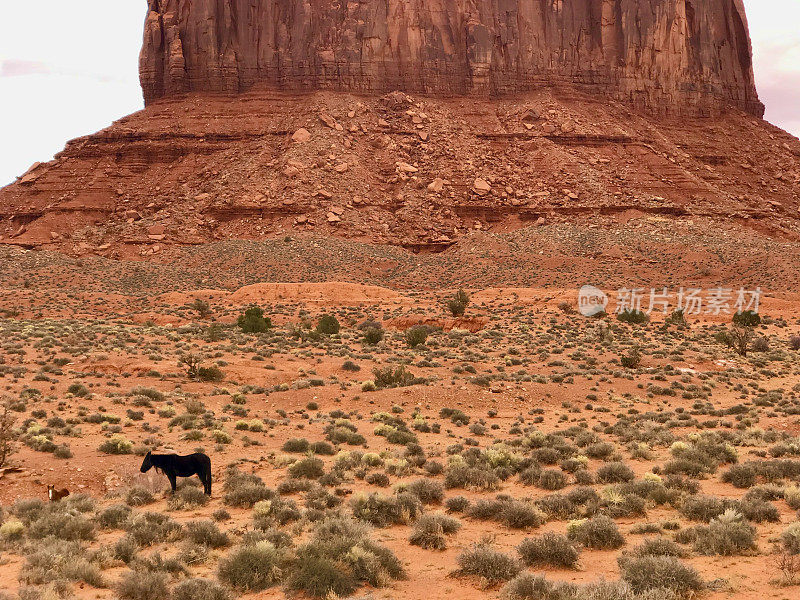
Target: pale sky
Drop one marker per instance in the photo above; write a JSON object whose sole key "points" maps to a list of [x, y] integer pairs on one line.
{"points": [[67, 70]]}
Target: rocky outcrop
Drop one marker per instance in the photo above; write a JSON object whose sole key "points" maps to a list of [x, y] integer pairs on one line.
{"points": [[670, 56]]}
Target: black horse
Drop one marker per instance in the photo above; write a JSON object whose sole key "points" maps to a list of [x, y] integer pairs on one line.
{"points": [[174, 466]]}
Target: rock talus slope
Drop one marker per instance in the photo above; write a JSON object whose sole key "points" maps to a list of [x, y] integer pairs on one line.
{"points": [[663, 55]]}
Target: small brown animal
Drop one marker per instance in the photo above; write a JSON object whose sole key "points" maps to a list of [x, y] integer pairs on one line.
{"points": [[56, 495]]}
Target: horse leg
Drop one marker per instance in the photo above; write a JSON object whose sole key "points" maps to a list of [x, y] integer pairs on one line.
{"points": [[173, 481], [205, 477]]}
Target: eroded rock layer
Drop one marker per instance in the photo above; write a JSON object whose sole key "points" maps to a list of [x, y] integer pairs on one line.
{"points": [[676, 56]]}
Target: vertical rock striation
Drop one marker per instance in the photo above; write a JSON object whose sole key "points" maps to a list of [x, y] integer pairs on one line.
{"points": [[662, 55]]}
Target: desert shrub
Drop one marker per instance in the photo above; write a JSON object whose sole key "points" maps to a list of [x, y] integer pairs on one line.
{"points": [[210, 374], [328, 325], [759, 511], [308, 468], [125, 549], [431, 531], [703, 508], [659, 546], [457, 504], [470, 478], [139, 496], [549, 549], [114, 516], [427, 490], [243, 490], [373, 336], [116, 444], [296, 445], [12, 530], [62, 525], [633, 316], [199, 589], [530, 475], [188, 496], [748, 318], [600, 533], [457, 305], [552, 479], [631, 359], [252, 568], [253, 321], [416, 336], [790, 538], [615, 472], [392, 377], [150, 528], [727, 535], [377, 479], [492, 566], [383, 511], [741, 476], [658, 572], [142, 585], [792, 497], [60, 560], [520, 515], [206, 533], [339, 557]]}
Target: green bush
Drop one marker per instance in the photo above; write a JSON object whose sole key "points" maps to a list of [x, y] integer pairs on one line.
{"points": [[116, 444], [457, 305], [328, 325], [373, 336], [416, 336], [748, 318], [633, 316], [631, 359], [253, 321]]}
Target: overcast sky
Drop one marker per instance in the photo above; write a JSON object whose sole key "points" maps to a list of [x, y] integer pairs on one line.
{"points": [[66, 71]]}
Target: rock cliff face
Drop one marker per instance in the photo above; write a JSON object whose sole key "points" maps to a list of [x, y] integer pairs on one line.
{"points": [[669, 56]]}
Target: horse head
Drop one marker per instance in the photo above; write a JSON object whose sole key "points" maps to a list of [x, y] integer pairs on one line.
{"points": [[147, 464]]}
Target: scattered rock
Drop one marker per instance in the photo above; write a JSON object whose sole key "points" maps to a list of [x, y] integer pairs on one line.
{"points": [[301, 136]]}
